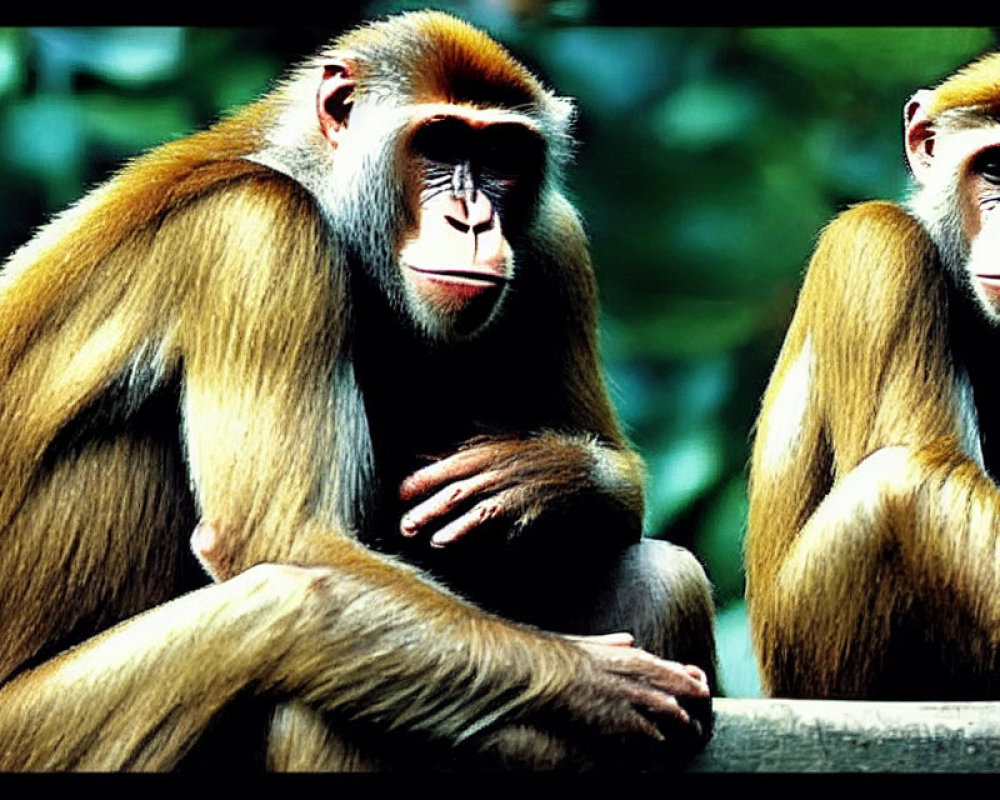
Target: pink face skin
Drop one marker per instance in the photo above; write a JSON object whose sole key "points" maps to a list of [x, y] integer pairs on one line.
{"points": [[458, 251], [970, 156]]}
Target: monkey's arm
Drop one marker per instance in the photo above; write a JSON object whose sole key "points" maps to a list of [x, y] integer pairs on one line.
{"points": [[866, 503]]}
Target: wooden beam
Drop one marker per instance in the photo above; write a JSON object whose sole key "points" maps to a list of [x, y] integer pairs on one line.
{"points": [[848, 736]]}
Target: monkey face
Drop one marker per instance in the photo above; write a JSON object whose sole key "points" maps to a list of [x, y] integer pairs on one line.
{"points": [[472, 177], [457, 175], [956, 162]]}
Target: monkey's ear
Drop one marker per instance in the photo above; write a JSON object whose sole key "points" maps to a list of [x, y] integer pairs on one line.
{"points": [[919, 134], [335, 99]]}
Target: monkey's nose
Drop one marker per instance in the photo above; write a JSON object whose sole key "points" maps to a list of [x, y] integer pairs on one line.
{"points": [[475, 213]]}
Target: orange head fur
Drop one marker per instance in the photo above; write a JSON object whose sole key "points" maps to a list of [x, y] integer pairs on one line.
{"points": [[457, 62]]}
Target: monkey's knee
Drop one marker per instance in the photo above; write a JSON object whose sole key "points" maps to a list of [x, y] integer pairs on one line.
{"points": [[660, 593]]}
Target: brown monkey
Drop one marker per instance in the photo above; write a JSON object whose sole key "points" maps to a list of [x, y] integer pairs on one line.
{"points": [[872, 551], [271, 327]]}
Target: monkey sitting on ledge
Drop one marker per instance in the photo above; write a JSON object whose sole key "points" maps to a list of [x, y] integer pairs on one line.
{"points": [[348, 338], [873, 550]]}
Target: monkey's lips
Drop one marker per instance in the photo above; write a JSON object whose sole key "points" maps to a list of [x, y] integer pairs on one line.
{"points": [[457, 283]]}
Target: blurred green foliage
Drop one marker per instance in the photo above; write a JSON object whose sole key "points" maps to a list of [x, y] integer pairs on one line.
{"points": [[709, 159]]}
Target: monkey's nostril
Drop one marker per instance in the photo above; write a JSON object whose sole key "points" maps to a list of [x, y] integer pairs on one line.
{"points": [[484, 226], [458, 226]]}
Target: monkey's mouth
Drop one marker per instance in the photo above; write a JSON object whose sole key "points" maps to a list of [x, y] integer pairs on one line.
{"points": [[450, 286], [487, 279]]}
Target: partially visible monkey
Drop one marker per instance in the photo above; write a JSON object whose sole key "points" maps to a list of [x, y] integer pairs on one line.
{"points": [[873, 551], [272, 327]]}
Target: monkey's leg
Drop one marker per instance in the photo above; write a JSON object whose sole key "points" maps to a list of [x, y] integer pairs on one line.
{"points": [[140, 695], [659, 593], [889, 590], [302, 740], [826, 621], [652, 589]]}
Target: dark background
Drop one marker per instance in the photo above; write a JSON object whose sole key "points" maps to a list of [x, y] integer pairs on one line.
{"points": [[709, 159]]}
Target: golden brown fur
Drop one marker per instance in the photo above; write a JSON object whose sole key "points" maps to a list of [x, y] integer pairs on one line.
{"points": [[188, 344], [824, 577], [872, 543]]}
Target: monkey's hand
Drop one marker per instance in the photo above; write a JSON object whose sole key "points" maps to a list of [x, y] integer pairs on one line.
{"points": [[516, 480], [652, 685], [627, 701]]}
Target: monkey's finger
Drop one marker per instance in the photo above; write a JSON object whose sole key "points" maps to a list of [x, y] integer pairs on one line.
{"points": [[448, 500], [697, 673], [636, 723], [454, 467], [677, 679], [490, 508], [656, 701], [670, 676]]}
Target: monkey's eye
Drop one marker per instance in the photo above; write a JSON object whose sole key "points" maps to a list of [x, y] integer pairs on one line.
{"points": [[509, 150], [987, 164], [445, 140], [505, 150]]}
